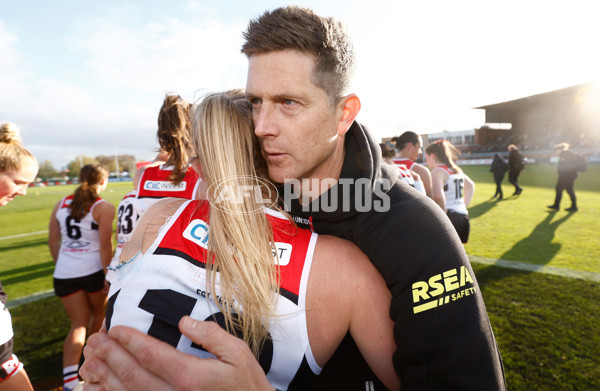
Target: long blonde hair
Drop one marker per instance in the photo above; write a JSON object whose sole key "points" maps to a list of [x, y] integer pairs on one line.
{"points": [[240, 241], [13, 155]]}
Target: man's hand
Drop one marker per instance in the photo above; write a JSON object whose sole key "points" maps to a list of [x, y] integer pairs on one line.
{"points": [[126, 359]]}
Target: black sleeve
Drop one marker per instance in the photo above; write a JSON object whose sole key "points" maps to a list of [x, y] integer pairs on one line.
{"points": [[445, 341]]}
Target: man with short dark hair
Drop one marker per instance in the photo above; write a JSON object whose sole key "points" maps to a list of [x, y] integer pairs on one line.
{"points": [[409, 145], [299, 65]]}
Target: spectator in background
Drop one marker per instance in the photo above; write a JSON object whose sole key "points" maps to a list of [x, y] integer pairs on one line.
{"points": [[569, 163], [498, 168], [405, 174], [452, 189], [516, 164], [169, 175], [18, 168], [80, 241], [409, 149]]}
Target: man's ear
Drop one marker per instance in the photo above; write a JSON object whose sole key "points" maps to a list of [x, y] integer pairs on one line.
{"points": [[350, 106]]}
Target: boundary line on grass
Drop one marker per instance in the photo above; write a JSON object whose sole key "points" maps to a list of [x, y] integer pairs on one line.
{"points": [[530, 267], [29, 299], [21, 235]]}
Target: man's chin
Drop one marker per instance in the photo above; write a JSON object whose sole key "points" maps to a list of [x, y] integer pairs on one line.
{"points": [[278, 176]]}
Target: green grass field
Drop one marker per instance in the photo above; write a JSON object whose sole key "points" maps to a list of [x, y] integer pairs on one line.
{"points": [[25, 263], [523, 229], [547, 327]]}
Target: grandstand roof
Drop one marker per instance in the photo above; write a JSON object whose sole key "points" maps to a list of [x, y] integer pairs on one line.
{"points": [[508, 105]]}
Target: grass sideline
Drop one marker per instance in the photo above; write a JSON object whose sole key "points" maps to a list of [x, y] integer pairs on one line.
{"points": [[547, 327], [521, 228], [33, 271]]}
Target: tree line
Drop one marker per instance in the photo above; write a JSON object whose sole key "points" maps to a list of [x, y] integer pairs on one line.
{"points": [[126, 164]]}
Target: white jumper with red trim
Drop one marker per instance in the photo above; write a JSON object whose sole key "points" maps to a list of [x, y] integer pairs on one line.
{"points": [[153, 291]]}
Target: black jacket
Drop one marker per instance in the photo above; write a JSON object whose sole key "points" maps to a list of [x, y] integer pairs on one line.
{"points": [[444, 338], [498, 167], [516, 161], [570, 162]]}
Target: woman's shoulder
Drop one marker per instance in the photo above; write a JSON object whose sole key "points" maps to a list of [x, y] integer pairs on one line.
{"points": [[340, 258], [441, 171], [103, 205]]}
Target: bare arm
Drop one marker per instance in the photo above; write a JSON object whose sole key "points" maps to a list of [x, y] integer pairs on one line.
{"points": [[425, 177], [104, 213], [438, 178], [54, 234], [370, 324], [416, 176], [469, 189], [346, 293], [116, 241]]}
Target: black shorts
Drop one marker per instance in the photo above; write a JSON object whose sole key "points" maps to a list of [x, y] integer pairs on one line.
{"points": [[67, 286], [461, 224]]}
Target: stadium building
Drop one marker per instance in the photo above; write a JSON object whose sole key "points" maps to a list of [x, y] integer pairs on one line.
{"points": [[535, 124]]}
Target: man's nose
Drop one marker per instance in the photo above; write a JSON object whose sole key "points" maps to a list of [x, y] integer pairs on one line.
{"points": [[264, 121]]}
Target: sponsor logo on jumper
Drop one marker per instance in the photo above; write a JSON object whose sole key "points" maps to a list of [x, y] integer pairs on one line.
{"points": [[76, 250], [76, 244], [164, 186], [435, 292], [201, 278], [197, 232], [207, 295], [301, 220], [283, 251]]}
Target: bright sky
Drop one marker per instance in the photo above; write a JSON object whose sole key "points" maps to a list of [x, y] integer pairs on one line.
{"points": [[83, 77]]}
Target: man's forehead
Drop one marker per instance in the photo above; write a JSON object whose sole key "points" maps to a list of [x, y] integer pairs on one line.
{"points": [[279, 69]]}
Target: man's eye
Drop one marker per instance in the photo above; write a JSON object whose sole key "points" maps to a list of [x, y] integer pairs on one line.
{"points": [[289, 102], [254, 101]]}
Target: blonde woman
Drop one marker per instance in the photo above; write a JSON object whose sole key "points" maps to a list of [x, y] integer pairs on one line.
{"points": [[452, 189], [18, 168], [80, 242], [289, 293]]}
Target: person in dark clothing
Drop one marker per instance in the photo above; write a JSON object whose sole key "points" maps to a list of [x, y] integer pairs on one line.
{"points": [[498, 169], [516, 163], [304, 119], [569, 163]]}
